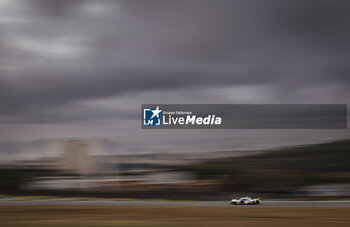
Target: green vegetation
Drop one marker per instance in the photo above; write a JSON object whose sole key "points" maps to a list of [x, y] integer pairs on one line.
{"points": [[280, 170], [12, 179]]}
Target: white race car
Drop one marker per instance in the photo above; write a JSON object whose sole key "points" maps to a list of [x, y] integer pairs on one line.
{"points": [[245, 201]]}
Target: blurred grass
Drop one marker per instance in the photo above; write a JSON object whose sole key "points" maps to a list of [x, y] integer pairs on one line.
{"points": [[39, 216]]}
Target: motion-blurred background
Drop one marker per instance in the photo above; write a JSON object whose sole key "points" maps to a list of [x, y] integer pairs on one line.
{"points": [[74, 73]]}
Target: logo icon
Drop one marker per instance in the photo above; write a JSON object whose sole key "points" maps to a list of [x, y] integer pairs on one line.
{"points": [[151, 116]]}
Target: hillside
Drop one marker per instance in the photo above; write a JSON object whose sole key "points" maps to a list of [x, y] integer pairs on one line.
{"points": [[281, 169], [326, 157]]}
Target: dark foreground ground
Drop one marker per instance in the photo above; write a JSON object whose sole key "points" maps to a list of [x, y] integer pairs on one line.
{"points": [[39, 216]]}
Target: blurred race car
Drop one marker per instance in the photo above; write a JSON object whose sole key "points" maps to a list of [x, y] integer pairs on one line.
{"points": [[245, 201]]}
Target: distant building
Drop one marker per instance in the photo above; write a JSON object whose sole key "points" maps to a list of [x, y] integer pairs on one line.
{"points": [[77, 158]]}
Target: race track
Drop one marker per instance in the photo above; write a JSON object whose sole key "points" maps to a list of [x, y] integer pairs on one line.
{"points": [[64, 201]]}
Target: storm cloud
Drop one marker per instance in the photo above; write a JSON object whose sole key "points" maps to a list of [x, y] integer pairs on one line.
{"points": [[84, 67]]}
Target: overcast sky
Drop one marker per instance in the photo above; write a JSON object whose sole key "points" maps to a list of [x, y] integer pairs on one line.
{"points": [[82, 68]]}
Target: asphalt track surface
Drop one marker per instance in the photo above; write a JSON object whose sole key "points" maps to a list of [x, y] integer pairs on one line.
{"points": [[49, 201]]}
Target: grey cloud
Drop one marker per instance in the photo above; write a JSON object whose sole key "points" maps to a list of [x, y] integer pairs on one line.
{"points": [[58, 55]]}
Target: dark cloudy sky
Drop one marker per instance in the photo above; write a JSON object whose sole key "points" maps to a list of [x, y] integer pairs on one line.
{"points": [[82, 68]]}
